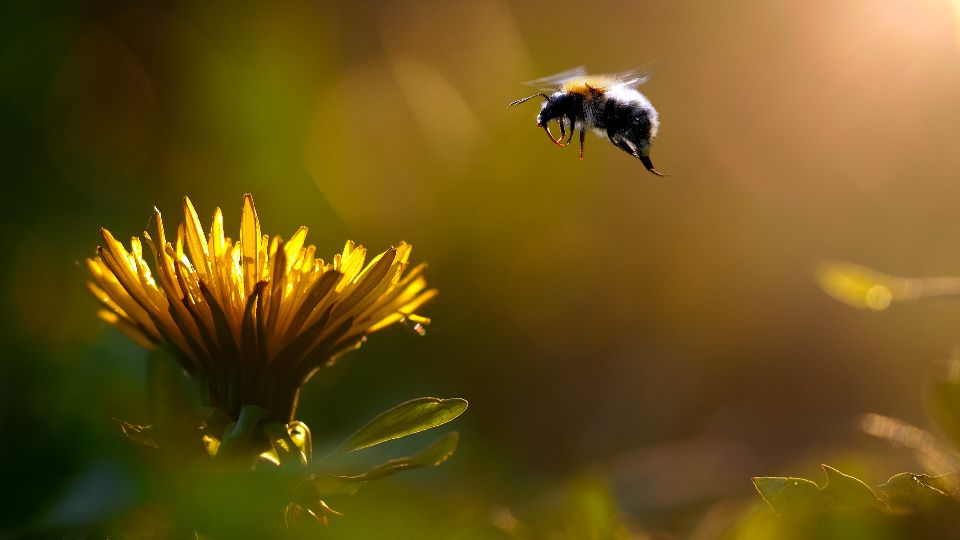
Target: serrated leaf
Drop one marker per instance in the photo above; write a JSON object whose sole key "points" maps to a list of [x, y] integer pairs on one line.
{"points": [[912, 492], [405, 419], [788, 495], [323, 486], [948, 483], [844, 492]]}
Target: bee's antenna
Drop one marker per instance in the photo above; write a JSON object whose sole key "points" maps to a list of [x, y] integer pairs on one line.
{"points": [[521, 100]]}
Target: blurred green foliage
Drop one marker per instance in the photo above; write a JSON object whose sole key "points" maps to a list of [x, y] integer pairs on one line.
{"points": [[267, 471]]}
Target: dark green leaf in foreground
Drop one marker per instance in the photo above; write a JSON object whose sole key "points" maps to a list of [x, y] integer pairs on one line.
{"points": [[405, 419], [787, 495], [913, 492], [324, 485], [928, 498], [844, 492], [948, 483]]}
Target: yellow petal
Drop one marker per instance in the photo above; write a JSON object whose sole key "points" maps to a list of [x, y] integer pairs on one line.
{"points": [[158, 227], [129, 329], [250, 244], [193, 234], [263, 260], [292, 247], [217, 243]]}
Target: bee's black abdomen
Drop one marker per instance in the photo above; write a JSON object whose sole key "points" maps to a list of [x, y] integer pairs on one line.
{"points": [[629, 127], [628, 121]]}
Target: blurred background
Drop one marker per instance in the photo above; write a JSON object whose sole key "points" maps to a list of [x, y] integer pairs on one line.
{"points": [[663, 338]]}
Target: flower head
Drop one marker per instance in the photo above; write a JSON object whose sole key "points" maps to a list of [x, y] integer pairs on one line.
{"points": [[252, 320]]}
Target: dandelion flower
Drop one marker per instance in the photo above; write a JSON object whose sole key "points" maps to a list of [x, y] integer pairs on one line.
{"points": [[252, 320]]}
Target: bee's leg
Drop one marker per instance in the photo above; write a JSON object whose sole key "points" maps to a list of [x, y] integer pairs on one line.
{"points": [[649, 165], [623, 144], [583, 134], [573, 128], [546, 128], [643, 155], [563, 131]]}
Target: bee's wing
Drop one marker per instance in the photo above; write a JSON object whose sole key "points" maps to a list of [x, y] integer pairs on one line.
{"points": [[632, 78], [635, 77], [551, 82]]}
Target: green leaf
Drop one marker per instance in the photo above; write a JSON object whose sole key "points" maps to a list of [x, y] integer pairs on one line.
{"points": [[431, 456], [788, 495], [405, 419], [326, 486], [948, 483], [844, 492], [322, 486], [912, 492]]}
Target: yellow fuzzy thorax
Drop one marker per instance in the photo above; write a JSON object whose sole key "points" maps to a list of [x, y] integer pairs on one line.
{"points": [[588, 85]]}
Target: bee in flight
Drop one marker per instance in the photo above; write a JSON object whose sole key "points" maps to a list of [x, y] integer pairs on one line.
{"points": [[610, 105]]}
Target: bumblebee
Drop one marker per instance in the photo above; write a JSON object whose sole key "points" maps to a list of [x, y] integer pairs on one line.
{"points": [[610, 105]]}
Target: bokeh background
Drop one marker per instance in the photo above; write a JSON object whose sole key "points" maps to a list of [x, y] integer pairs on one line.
{"points": [[664, 338]]}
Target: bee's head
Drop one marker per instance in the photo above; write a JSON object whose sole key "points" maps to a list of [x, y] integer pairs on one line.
{"points": [[555, 107]]}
